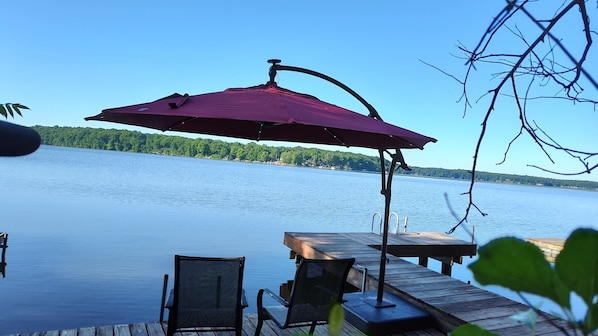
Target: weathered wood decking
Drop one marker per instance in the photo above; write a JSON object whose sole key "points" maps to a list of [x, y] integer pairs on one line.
{"points": [[249, 322], [451, 301]]}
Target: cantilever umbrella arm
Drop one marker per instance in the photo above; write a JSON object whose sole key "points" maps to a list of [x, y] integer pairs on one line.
{"points": [[397, 157], [276, 66]]}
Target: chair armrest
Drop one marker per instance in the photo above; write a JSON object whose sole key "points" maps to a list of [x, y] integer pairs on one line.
{"points": [[276, 297], [260, 303], [170, 301], [244, 303]]}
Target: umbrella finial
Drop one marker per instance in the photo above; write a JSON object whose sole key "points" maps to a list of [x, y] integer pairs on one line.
{"points": [[274, 62]]}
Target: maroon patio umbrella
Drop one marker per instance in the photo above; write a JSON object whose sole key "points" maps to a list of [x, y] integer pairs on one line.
{"points": [[265, 112], [269, 112]]}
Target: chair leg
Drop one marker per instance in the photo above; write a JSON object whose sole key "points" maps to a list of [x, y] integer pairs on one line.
{"points": [[260, 313], [313, 327], [170, 326], [239, 322], [258, 327]]}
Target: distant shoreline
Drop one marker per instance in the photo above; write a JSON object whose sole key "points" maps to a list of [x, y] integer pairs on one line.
{"points": [[402, 173], [138, 142]]}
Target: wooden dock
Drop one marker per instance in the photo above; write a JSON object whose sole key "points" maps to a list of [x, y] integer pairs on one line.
{"points": [[550, 246], [249, 323], [450, 301]]}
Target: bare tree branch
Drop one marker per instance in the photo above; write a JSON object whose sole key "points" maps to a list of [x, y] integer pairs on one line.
{"points": [[544, 64]]}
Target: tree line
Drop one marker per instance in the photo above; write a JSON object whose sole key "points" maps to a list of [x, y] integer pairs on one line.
{"points": [[151, 143]]}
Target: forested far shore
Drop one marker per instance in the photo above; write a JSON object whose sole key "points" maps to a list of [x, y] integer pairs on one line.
{"points": [[151, 143]]}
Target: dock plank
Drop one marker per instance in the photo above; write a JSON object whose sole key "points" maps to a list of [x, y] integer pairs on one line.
{"points": [[104, 331], [551, 247], [90, 331], [470, 303], [122, 330], [69, 332], [155, 329]]}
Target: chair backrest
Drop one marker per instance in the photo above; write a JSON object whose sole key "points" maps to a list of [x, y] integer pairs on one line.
{"points": [[207, 292], [317, 285]]}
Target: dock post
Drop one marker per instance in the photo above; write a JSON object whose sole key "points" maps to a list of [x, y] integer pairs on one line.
{"points": [[364, 280], [447, 268], [3, 246]]}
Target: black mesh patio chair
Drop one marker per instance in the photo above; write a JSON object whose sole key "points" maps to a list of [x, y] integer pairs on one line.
{"points": [[317, 285], [207, 295]]}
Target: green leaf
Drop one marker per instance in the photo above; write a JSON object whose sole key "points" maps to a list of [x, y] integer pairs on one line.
{"points": [[17, 110], [336, 319], [527, 318], [520, 266], [9, 109], [591, 321], [577, 264], [20, 106], [471, 330], [17, 107]]}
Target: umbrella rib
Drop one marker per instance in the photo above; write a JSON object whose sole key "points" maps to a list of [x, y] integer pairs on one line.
{"points": [[340, 141], [171, 127], [259, 132], [404, 141]]}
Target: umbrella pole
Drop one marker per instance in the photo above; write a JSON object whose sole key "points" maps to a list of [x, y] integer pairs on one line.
{"points": [[386, 191], [384, 316]]}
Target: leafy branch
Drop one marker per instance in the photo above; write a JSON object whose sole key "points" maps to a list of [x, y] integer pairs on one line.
{"points": [[521, 266], [10, 109]]}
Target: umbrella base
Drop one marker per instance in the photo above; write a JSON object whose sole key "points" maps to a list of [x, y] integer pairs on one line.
{"points": [[391, 316], [379, 304]]}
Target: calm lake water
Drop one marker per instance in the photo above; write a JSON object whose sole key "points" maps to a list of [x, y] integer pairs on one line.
{"points": [[91, 233]]}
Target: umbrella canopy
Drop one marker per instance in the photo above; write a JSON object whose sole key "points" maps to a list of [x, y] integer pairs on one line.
{"points": [[265, 112]]}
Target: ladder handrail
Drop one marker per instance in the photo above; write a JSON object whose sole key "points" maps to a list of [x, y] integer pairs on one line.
{"points": [[394, 213]]}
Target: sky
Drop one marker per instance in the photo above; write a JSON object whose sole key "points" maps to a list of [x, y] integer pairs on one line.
{"points": [[67, 60]]}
